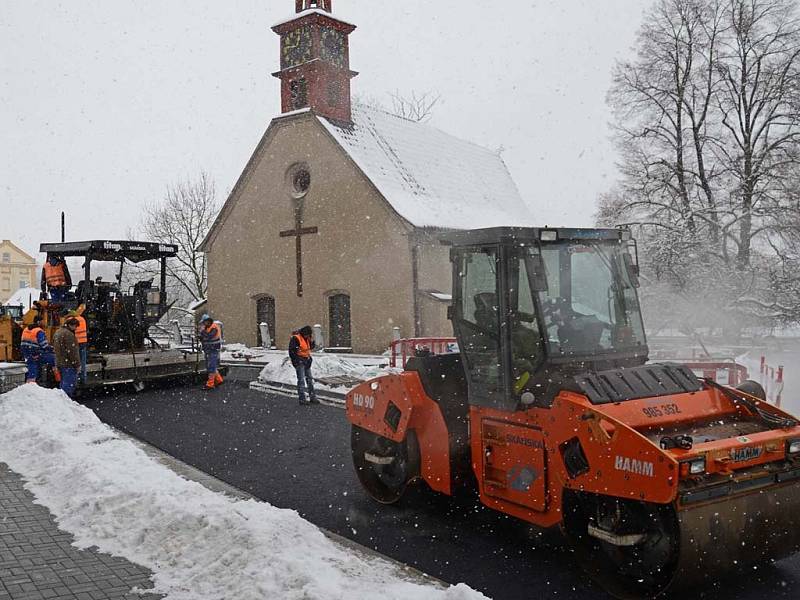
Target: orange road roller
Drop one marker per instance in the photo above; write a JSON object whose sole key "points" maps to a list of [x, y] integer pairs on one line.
{"points": [[659, 480]]}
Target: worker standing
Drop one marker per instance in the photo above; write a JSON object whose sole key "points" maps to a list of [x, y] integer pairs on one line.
{"points": [[36, 350], [211, 340], [82, 333], [56, 279], [68, 358], [300, 347]]}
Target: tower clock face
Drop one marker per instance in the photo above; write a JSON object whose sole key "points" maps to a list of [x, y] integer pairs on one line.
{"points": [[333, 46], [296, 47]]}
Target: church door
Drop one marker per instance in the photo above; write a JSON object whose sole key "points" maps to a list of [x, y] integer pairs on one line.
{"points": [[265, 313], [339, 321]]}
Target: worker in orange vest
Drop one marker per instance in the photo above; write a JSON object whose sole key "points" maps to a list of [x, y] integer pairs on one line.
{"points": [[36, 350], [82, 333], [56, 279], [211, 341], [300, 347]]}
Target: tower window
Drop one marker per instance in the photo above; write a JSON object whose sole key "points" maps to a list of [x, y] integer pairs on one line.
{"points": [[299, 92], [334, 93], [301, 181]]}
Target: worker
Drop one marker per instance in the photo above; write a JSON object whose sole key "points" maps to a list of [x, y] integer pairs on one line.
{"points": [[211, 340], [82, 333], [300, 346], [68, 358], [36, 350], [56, 279]]}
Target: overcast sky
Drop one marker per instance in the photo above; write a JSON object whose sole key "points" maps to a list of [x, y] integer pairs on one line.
{"points": [[103, 103]]}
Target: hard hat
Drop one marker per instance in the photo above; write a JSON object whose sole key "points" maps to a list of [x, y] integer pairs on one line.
{"points": [[206, 317]]}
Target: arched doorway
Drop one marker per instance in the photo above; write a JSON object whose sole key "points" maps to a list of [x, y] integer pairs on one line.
{"points": [[265, 313], [339, 321]]}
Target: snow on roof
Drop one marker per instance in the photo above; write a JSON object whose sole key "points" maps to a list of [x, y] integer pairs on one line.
{"points": [[431, 178], [310, 11], [24, 296]]}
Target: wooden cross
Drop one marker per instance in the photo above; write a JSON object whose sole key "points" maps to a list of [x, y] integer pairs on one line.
{"points": [[297, 233]]}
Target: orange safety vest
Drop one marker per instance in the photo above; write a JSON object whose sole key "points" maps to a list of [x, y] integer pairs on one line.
{"points": [[54, 276], [82, 332], [31, 335], [305, 346]]}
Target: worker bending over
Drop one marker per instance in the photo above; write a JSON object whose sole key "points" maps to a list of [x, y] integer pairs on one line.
{"points": [[56, 279], [211, 340], [36, 350]]}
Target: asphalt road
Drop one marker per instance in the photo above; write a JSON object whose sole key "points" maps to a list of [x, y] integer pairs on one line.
{"points": [[299, 457]]}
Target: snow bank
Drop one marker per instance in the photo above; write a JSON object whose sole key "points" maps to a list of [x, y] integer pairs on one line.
{"points": [[199, 544], [278, 368]]}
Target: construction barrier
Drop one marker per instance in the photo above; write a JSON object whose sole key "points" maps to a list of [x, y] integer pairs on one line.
{"points": [[771, 379], [726, 372], [404, 349]]}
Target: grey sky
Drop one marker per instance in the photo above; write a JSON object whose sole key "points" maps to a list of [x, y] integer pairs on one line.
{"points": [[105, 102]]}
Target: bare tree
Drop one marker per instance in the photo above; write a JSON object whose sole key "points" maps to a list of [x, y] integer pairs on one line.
{"points": [[415, 107], [183, 217], [708, 127]]}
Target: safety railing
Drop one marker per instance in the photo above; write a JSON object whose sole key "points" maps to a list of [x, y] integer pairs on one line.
{"points": [[726, 372], [771, 379], [402, 350]]}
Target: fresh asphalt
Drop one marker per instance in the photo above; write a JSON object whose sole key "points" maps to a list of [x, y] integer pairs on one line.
{"points": [[298, 457]]}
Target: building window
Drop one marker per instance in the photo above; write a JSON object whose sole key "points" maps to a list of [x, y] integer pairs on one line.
{"points": [[299, 92], [334, 94], [265, 313], [23, 283], [6, 284], [6, 257], [298, 179], [339, 321]]}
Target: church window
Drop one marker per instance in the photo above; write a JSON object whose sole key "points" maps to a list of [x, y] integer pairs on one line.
{"points": [[265, 313], [299, 92], [339, 321], [334, 93], [299, 178], [6, 257]]}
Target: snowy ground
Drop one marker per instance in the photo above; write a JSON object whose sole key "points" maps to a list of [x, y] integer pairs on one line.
{"points": [[199, 544]]}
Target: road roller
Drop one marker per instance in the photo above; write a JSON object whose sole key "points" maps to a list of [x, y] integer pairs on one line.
{"points": [[551, 412]]}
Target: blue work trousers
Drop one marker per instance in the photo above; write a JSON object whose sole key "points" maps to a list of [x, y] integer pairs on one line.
{"points": [[69, 379], [305, 380], [58, 295], [84, 351], [212, 360], [35, 362]]}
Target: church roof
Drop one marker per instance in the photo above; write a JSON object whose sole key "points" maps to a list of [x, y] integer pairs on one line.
{"points": [[431, 178]]}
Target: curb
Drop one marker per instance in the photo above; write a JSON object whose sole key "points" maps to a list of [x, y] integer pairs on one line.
{"points": [[336, 399]]}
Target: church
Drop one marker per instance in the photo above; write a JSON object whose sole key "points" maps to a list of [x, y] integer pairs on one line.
{"points": [[336, 217]]}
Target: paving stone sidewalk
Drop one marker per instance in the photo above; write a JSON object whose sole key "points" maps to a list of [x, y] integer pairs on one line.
{"points": [[38, 562]]}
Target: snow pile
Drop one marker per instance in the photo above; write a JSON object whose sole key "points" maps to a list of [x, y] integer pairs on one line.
{"points": [[278, 368], [25, 296], [199, 544]]}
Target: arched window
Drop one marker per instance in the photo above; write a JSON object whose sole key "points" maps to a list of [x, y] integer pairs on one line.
{"points": [[265, 313], [339, 321]]}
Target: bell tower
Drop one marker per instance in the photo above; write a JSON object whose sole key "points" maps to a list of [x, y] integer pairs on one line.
{"points": [[315, 61]]}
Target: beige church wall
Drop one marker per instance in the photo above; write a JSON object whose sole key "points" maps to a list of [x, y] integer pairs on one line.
{"points": [[368, 254], [435, 273]]}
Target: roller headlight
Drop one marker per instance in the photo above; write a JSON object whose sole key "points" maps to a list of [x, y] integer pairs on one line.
{"points": [[793, 447], [697, 466]]}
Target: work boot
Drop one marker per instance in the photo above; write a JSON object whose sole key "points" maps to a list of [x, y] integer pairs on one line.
{"points": [[314, 400], [210, 383], [218, 380]]}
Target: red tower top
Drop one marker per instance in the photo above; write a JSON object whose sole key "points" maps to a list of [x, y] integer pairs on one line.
{"points": [[315, 61]]}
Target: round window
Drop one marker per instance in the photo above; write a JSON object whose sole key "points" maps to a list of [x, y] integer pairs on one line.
{"points": [[298, 180]]}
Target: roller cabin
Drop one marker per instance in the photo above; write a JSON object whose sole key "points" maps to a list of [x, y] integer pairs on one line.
{"points": [[552, 413]]}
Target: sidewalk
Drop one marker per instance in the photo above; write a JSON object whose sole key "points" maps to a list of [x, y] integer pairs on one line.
{"points": [[38, 561]]}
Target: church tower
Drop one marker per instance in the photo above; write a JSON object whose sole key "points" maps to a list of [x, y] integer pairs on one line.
{"points": [[315, 61]]}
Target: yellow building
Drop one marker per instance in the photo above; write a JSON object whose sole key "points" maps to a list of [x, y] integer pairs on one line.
{"points": [[17, 270]]}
